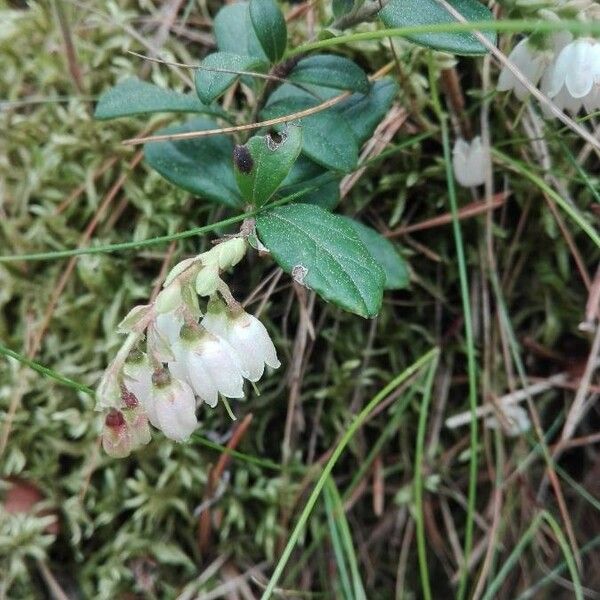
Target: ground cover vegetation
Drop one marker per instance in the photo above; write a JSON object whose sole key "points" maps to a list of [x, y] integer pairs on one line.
{"points": [[337, 341]]}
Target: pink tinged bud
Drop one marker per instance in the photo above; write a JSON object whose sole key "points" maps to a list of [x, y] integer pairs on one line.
{"points": [[139, 430], [175, 409], [116, 439]]}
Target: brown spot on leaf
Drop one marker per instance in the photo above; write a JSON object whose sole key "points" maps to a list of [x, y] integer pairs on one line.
{"points": [[242, 159]]}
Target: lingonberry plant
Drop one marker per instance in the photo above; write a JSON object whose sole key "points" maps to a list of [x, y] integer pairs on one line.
{"points": [[313, 112]]}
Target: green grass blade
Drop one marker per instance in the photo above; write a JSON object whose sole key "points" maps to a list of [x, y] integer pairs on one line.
{"points": [[310, 503], [336, 539], [418, 484], [469, 336]]}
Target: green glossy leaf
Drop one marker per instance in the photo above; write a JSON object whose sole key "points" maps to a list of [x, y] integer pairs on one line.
{"points": [[269, 26], [219, 70], [324, 185], [327, 137], [385, 255], [332, 71], [405, 13], [234, 31], [324, 252], [136, 97], [264, 161], [200, 165], [343, 7], [363, 112]]}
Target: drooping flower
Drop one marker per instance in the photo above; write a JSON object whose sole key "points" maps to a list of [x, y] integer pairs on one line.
{"points": [[573, 80], [137, 378], [247, 336], [175, 406], [209, 364], [530, 61], [136, 418], [116, 439], [470, 161], [533, 61]]}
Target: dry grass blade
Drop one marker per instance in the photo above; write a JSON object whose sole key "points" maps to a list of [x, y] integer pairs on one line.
{"points": [[235, 129]]}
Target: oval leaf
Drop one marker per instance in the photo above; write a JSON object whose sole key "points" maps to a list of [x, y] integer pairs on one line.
{"points": [[327, 137], [363, 112], [201, 165], [234, 31], [331, 71], [384, 254], [405, 13], [323, 252], [270, 27], [136, 97], [321, 187], [219, 70], [264, 161]]}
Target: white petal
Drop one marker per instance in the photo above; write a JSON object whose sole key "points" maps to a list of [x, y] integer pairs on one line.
{"points": [[253, 345], [223, 367], [530, 62], [470, 162], [557, 73], [201, 381], [169, 325], [580, 76], [176, 410]]}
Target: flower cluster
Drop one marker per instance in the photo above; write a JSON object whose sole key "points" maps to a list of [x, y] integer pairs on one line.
{"points": [[176, 358], [566, 69]]}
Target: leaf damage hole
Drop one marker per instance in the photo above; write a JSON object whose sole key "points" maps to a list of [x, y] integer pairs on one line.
{"points": [[275, 140], [299, 273]]}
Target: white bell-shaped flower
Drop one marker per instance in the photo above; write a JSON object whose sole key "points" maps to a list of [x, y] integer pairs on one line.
{"points": [[574, 78], [531, 61], [209, 363], [247, 336], [137, 420], [470, 161], [175, 406], [137, 377]]}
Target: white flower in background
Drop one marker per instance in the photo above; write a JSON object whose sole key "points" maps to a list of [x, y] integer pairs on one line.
{"points": [[530, 61], [533, 61], [209, 364], [175, 406], [470, 161], [573, 80], [514, 421], [247, 336]]}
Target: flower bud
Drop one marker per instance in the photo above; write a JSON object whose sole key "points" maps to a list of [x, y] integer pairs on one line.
{"points": [[169, 299], [207, 280], [226, 254], [116, 439]]}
